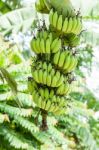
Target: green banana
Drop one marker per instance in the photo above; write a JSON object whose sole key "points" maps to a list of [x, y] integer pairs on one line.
{"points": [[44, 66], [42, 45], [51, 16], [41, 91], [61, 59], [38, 45], [56, 45], [67, 62], [48, 45], [39, 103], [55, 19], [72, 64], [49, 68], [65, 25], [74, 24], [59, 23], [44, 35], [48, 80], [45, 77], [58, 75], [40, 76], [54, 81], [50, 36], [34, 46], [60, 81], [70, 25], [51, 94], [46, 93], [79, 27], [56, 58]]}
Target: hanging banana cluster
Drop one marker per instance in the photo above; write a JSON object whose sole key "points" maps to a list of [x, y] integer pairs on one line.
{"points": [[45, 43], [65, 25], [65, 60], [55, 59]]}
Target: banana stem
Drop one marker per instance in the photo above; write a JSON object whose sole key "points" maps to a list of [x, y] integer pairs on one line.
{"points": [[44, 126]]}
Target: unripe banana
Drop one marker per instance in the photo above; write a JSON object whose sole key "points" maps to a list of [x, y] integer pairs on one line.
{"points": [[60, 90], [55, 19], [60, 81], [54, 81], [40, 76], [39, 103], [59, 23], [49, 68], [58, 75], [38, 45], [48, 105], [44, 66], [61, 59], [75, 22], [51, 94], [56, 58], [56, 45], [72, 64], [45, 77], [45, 35], [54, 99], [33, 46], [46, 93], [50, 36], [67, 62], [65, 24], [70, 25], [49, 80], [52, 108], [52, 72], [42, 93], [51, 16], [48, 46], [79, 27], [43, 104], [42, 45]]}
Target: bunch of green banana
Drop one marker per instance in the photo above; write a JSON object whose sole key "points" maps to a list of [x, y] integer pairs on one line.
{"points": [[42, 6], [47, 100], [45, 43], [47, 76], [63, 89], [71, 40], [65, 61], [65, 25]]}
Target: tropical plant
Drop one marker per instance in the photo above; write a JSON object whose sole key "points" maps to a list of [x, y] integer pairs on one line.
{"points": [[20, 124]]}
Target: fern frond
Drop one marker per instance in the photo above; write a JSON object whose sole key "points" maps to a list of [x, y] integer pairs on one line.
{"points": [[6, 96], [85, 136], [17, 20], [16, 140], [25, 99], [20, 68], [12, 111], [3, 118], [29, 126]]}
